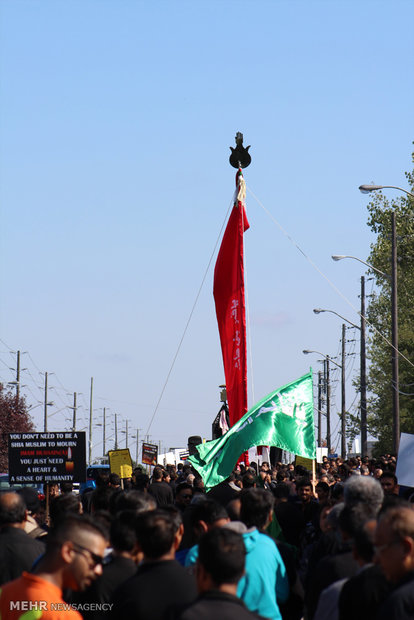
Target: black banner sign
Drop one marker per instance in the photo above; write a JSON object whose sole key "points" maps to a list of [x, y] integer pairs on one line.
{"points": [[149, 454], [47, 457]]}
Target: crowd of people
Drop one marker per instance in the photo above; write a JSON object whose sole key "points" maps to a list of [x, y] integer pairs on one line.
{"points": [[269, 542]]}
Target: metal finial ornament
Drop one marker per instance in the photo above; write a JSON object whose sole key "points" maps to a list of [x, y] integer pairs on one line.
{"points": [[240, 157]]}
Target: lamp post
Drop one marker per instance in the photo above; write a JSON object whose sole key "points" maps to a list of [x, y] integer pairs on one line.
{"points": [[363, 366], [328, 395], [366, 189]]}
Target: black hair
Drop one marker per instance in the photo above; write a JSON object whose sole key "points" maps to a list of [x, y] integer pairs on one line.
{"points": [[141, 481], [132, 500], [389, 474], [157, 473], [123, 531], [62, 505], [303, 482], [323, 486], [13, 511], [181, 486], [209, 511], [353, 518], [175, 515], [66, 487], [337, 491], [248, 480], [364, 543], [255, 507], [114, 479], [30, 498], [101, 496], [67, 528], [155, 533], [221, 552], [281, 490]]}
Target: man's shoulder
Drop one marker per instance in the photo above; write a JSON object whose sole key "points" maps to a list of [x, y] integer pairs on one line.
{"points": [[218, 605], [18, 536], [399, 605]]}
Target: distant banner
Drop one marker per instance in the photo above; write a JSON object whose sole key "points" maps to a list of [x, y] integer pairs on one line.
{"points": [[149, 454], [306, 463], [120, 463], [47, 457]]}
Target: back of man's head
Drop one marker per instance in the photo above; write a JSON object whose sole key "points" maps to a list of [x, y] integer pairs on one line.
{"points": [[155, 533], [221, 553], [364, 542], [141, 481], [157, 473], [249, 481], [123, 534], [256, 506], [73, 527], [133, 500], [352, 519], [281, 491], [114, 480], [12, 509], [62, 506], [31, 499], [399, 521], [365, 490], [209, 511]]}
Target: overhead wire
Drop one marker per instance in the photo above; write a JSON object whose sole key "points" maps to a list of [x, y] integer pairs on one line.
{"points": [[331, 284], [189, 319]]}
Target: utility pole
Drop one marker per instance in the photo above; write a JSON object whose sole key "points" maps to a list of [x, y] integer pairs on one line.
{"points": [[90, 423], [343, 424], [394, 338], [319, 408], [136, 460], [116, 432], [363, 380], [45, 406], [18, 376], [104, 431], [74, 412], [126, 433], [328, 407]]}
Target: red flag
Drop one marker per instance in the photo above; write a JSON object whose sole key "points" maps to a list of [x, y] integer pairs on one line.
{"points": [[230, 306]]}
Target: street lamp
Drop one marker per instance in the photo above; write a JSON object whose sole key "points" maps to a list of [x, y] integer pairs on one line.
{"points": [[337, 257], [328, 395], [366, 189], [394, 319], [394, 314], [319, 310]]}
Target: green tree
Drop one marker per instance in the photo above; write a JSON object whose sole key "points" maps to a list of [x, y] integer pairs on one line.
{"points": [[14, 418], [380, 383]]}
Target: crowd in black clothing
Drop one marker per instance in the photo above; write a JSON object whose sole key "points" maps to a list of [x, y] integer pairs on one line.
{"points": [[345, 542]]}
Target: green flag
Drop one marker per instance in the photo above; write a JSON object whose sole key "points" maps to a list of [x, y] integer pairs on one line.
{"points": [[284, 419]]}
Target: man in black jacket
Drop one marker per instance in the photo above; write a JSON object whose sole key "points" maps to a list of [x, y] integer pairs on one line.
{"points": [[18, 551], [161, 491], [160, 583], [220, 565]]}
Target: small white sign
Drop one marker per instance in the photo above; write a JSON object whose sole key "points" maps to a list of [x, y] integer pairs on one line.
{"points": [[405, 461], [320, 453]]}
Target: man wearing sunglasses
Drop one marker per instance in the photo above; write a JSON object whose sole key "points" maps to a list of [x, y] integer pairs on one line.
{"points": [[73, 560]]}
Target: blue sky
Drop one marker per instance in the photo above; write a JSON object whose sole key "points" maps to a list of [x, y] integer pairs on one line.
{"points": [[116, 122]]}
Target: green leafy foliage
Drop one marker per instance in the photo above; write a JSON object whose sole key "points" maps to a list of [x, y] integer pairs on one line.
{"points": [[379, 354]]}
